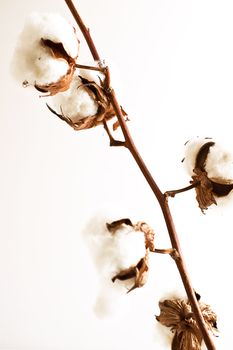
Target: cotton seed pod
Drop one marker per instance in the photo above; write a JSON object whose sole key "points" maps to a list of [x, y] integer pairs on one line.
{"points": [[211, 169], [121, 251], [178, 316], [46, 52], [85, 105]]}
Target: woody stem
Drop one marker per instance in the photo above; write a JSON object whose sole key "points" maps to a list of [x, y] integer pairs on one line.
{"points": [[161, 198]]}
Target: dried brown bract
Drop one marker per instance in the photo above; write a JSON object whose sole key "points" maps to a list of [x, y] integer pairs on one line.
{"points": [[177, 314], [207, 189], [149, 234], [58, 52], [139, 272]]}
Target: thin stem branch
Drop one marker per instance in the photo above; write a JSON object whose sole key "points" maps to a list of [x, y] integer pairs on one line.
{"points": [[172, 193], [162, 199], [83, 66], [112, 141]]}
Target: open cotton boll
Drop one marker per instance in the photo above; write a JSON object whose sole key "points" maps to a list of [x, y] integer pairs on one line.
{"points": [[192, 148], [112, 253], [219, 163], [75, 103], [33, 62]]}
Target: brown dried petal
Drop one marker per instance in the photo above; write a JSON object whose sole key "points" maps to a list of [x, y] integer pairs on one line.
{"points": [[210, 316], [139, 272], [177, 314], [202, 155], [222, 189], [58, 52], [204, 191], [115, 225], [186, 340], [148, 233], [172, 312]]}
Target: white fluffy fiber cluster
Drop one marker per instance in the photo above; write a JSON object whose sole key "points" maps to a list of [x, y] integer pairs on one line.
{"points": [[31, 61], [219, 162], [113, 252], [110, 254], [76, 103]]}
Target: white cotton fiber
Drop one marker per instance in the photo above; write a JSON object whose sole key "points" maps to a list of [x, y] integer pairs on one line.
{"points": [[219, 164], [34, 63], [110, 254], [75, 103]]}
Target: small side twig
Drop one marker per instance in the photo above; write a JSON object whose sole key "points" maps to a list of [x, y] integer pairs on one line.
{"points": [[172, 193], [113, 142], [171, 251], [83, 66]]}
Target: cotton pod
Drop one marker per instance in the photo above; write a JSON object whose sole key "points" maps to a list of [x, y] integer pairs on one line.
{"points": [[211, 169], [45, 53], [86, 104], [177, 314], [120, 251]]}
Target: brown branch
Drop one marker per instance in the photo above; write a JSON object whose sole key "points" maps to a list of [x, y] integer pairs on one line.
{"points": [[154, 187], [172, 193], [83, 66], [112, 141]]}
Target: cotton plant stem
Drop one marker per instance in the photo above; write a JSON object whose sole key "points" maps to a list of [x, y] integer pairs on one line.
{"points": [[172, 193], [161, 198]]}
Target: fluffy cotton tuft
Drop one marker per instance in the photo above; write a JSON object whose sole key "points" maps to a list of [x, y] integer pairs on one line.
{"points": [[219, 163], [110, 254], [31, 61], [75, 103]]}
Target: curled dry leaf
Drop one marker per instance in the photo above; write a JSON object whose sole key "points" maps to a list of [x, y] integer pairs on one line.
{"points": [[105, 110], [177, 314], [139, 271], [58, 52], [148, 233], [208, 189]]}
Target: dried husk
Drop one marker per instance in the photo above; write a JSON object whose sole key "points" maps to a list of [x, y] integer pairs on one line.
{"points": [[177, 314], [58, 52], [148, 233]]}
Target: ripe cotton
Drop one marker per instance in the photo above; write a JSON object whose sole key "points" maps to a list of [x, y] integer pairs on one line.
{"points": [[32, 62]]}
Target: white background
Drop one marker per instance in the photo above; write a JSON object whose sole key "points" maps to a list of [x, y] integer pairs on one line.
{"points": [[175, 65]]}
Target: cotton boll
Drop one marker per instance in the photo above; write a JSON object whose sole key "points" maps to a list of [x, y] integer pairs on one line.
{"points": [[114, 252], [33, 62], [192, 148], [75, 103]]}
